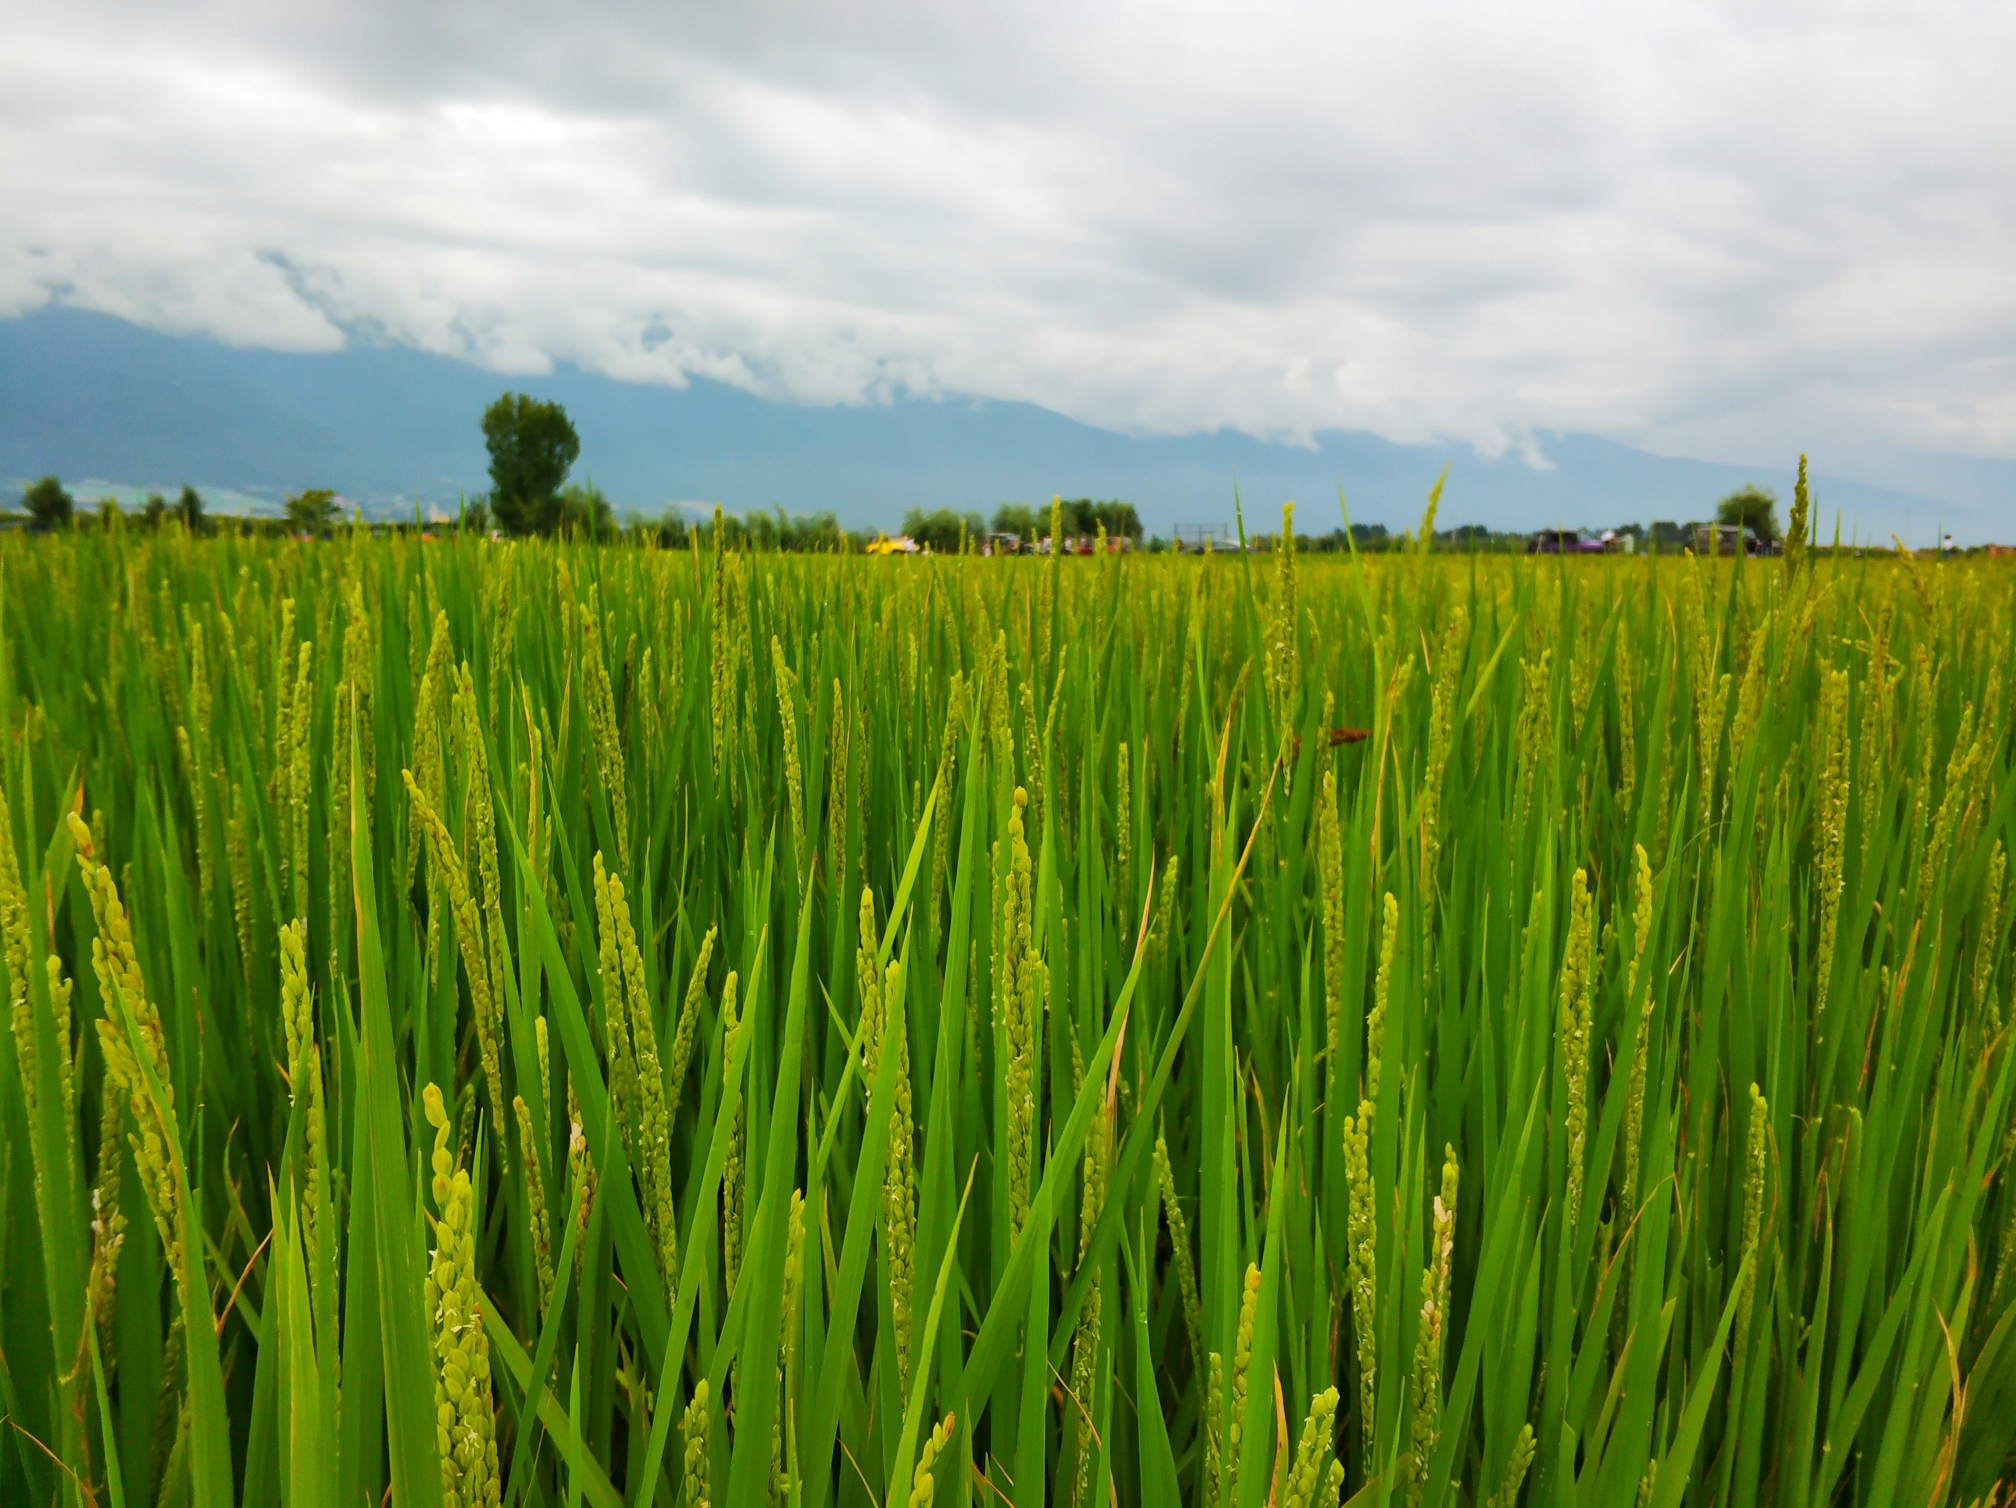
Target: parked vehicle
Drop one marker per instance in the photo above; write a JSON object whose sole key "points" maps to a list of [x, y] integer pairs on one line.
{"points": [[1727, 539], [1086, 544], [1565, 542], [901, 544], [1580, 542]]}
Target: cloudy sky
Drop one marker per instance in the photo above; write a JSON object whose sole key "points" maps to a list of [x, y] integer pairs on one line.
{"points": [[1728, 230]]}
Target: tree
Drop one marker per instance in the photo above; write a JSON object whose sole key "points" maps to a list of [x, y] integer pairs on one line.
{"points": [[1120, 519], [156, 510], [1081, 518], [816, 531], [532, 447], [939, 529], [1754, 507], [1667, 535], [311, 512], [189, 508], [1020, 520], [48, 505], [583, 509], [1077, 517]]}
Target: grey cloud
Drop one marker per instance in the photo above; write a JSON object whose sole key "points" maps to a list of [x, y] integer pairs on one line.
{"points": [[1706, 225]]}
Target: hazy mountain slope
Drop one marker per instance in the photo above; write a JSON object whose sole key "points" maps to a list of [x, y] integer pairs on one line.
{"points": [[90, 396]]}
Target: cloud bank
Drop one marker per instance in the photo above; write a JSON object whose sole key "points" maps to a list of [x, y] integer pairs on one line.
{"points": [[1707, 228]]}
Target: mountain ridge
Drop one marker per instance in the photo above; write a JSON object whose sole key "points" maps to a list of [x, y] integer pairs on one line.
{"points": [[92, 396]]}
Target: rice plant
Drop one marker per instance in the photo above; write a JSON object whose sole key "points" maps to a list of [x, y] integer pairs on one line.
{"points": [[537, 1024]]}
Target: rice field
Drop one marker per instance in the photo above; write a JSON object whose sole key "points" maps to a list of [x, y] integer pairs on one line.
{"points": [[535, 1024]]}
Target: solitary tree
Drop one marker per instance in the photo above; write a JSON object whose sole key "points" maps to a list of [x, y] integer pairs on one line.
{"points": [[532, 446], [312, 511], [1754, 507], [48, 505], [189, 508]]}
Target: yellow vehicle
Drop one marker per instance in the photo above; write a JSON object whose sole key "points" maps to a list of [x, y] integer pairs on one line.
{"points": [[901, 544]]}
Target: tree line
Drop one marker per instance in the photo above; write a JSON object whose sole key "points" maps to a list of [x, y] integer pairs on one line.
{"points": [[533, 446]]}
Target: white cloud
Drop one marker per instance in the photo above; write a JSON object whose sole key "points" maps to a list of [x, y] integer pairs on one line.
{"points": [[1704, 226]]}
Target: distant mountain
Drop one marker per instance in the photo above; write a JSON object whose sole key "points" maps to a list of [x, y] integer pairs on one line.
{"points": [[91, 397]]}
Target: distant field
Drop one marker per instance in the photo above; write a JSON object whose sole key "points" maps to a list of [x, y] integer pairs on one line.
{"points": [[531, 1024]]}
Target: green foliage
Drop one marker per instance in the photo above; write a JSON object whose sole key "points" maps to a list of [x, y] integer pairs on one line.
{"points": [[818, 533], [941, 529], [1020, 520], [312, 511], [47, 505], [1669, 537], [583, 509], [532, 446], [796, 532], [189, 509], [1754, 507], [957, 1034], [1081, 518]]}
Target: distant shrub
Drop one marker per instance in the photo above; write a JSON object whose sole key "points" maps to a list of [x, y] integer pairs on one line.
{"points": [[47, 504], [312, 511]]}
